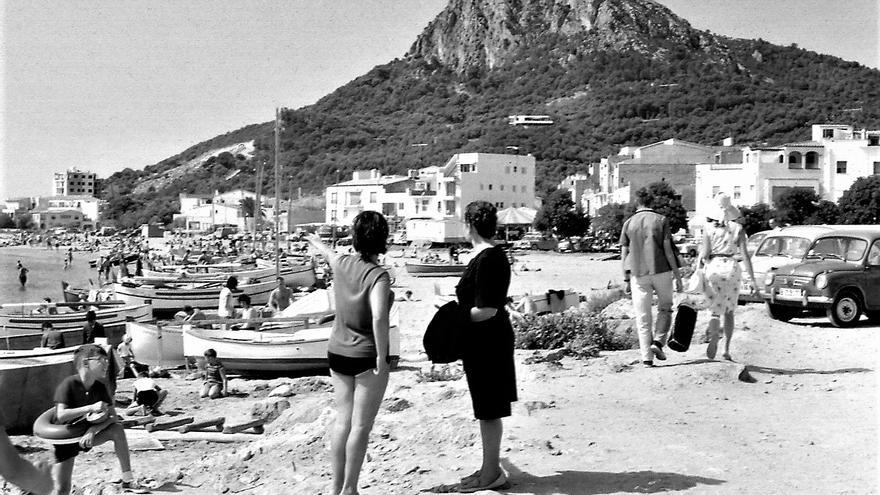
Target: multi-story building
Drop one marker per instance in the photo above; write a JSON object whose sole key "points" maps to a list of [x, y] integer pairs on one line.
{"points": [[16, 206], [88, 205], [829, 164], [673, 161], [437, 192], [849, 154], [578, 185], [74, 182], [46, 219]]}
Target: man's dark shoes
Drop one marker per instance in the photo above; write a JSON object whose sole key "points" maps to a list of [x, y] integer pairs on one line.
{"points": [[657, 349]]}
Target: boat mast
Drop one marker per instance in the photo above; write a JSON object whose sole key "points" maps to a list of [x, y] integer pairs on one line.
{"points": [[277, 189]]}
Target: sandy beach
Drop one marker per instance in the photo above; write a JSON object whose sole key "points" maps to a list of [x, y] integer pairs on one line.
{"points": [[796, 413]]}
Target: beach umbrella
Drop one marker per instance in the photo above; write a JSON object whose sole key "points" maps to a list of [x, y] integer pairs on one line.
{"points": [[516, 216]]}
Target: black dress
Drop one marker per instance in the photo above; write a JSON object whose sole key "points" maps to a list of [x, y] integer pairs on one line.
{"points": [[488, 345]]}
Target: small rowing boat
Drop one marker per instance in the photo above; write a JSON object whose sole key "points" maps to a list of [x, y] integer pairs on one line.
{"points": [[435, 269], [168, 298]]}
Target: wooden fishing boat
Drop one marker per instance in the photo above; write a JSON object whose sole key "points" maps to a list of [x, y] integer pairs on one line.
{"points": [[156, 344], [435, 269], [169, 298], [28, 380], [294, 275], [283, 349], [21, 328]]}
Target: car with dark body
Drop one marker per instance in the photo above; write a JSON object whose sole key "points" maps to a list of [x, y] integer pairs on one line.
{"points": [[839, 275]]}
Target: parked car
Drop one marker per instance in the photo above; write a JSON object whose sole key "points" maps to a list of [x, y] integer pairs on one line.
{"points": [[755, 240], [778, 248], [688, 247], [536, 241], [839, 275]]}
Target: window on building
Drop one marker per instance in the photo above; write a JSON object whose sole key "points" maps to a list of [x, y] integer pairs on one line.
{"points": [[333, 216], [514, 168], [502, 204], [781, 158], [811, 160], [450, 188], [794, 160], [513, 187], [841, 167], [490, 187], [873, 140], [876, 168], [399, 206], [716, 190], [828, 133], [736, 192], [333, 197], [507, 169], [524, 170], [481, 187], [501, 187], [373, 197]]}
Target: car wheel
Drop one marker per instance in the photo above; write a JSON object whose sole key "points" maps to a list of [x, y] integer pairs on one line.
{"points": [[781, 313], [846, 309]]}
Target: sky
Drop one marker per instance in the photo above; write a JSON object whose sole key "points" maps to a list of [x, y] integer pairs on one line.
{"points": [[104, 85]]}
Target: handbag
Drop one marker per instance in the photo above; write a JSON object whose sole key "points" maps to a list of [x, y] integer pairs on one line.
{"points": [[442, 340], [696, 283]]}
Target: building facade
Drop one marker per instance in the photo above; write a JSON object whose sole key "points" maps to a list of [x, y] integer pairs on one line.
{"points": [[88, 205], [74, 182], [849, 154], [437, 192], [673, 161], [54, 218], [580, 186]]}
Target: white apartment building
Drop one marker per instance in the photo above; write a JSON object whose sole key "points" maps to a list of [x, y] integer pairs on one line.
{"points": [[829, 164], [436, 192], [88, 205], [205, 212], [580, 187], [74, 182], [849, 154]]}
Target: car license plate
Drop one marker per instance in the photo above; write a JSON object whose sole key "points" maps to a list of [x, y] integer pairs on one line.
{"points": [[791, 292]]}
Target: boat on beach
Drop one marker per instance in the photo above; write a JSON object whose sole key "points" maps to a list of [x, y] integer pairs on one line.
{"points": [[21, 327], [294, 275], [156, 344], [168, 298], [435, 269], [28, 380], [282, 348]]}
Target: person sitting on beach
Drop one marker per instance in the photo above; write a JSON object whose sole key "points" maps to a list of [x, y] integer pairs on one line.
{"points": [[147, 396], [93, 328], [53, 339], [248, 312], [215, 384], [82, 395], [193, 314]]}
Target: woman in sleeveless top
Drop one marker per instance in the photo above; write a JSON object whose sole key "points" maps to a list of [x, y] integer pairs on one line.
{"points": [[358, 351], [487, 353], [722, 240]]}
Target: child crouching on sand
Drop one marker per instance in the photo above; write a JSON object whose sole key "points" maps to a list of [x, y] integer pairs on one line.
{"points": [[215, 377], [78, 397]]}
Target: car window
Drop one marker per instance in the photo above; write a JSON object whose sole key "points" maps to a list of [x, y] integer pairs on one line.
{"points": [[770, 247], [874, 253], [843, 248]]}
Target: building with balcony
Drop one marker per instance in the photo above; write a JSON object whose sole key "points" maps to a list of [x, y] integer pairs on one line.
{"points": [[74, 182], [848, 155], [437, 192]]}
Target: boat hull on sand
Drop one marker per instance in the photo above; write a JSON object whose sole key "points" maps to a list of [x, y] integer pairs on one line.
{"points": [[24, 331], [28, 380], [294, 276], [156, 345], [435, 269], [167, 300]]}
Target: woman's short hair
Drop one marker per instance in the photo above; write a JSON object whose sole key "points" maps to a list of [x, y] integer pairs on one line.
{"points": [[369, 233], [483, 217], [232, 282]]}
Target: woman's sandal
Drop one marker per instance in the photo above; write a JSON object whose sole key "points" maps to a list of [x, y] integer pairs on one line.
{"points": [[468, 478], [474, 485]]}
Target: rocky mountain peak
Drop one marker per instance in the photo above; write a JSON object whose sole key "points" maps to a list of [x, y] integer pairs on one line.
{"points": [[484, 34]]}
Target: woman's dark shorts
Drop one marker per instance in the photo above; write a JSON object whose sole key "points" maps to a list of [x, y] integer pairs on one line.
{"points": [[350, 366]]}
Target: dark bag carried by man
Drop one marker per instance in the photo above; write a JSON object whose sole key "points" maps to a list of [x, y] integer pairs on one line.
{"points": [[443, 335], [683, 327]]}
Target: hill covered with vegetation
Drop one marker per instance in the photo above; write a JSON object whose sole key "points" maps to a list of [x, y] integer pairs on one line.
{"points": [[618, 72]]}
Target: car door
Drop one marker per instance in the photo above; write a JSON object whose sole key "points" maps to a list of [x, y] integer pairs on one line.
{"points": [[872, 277]]}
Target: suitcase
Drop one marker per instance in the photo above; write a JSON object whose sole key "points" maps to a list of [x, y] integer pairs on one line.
{"points": [[682, 327]]}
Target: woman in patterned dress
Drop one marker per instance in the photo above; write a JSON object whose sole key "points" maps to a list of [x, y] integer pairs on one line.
{"points": [[722, 238]]}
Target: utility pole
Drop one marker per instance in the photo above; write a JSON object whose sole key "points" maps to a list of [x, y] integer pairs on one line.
{"points": [[277, 187], [258, 202]]}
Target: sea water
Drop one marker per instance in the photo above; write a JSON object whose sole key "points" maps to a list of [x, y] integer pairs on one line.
{"points": [[46, 271]]}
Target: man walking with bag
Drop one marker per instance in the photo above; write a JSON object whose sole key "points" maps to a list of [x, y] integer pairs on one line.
{"points": [[649, 267]]}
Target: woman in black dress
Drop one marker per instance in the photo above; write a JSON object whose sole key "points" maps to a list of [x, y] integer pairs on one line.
{"points": [[488, 342]]}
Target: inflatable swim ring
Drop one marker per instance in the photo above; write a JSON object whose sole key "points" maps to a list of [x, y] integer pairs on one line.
{"points": [[55, 434]]}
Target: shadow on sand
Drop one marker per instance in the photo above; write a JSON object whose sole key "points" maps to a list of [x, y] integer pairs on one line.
{"points": [[753, 368], [592, 482]]}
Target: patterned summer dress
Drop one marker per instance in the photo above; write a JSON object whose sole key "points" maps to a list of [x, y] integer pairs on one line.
{"points": [[723, 273]]}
